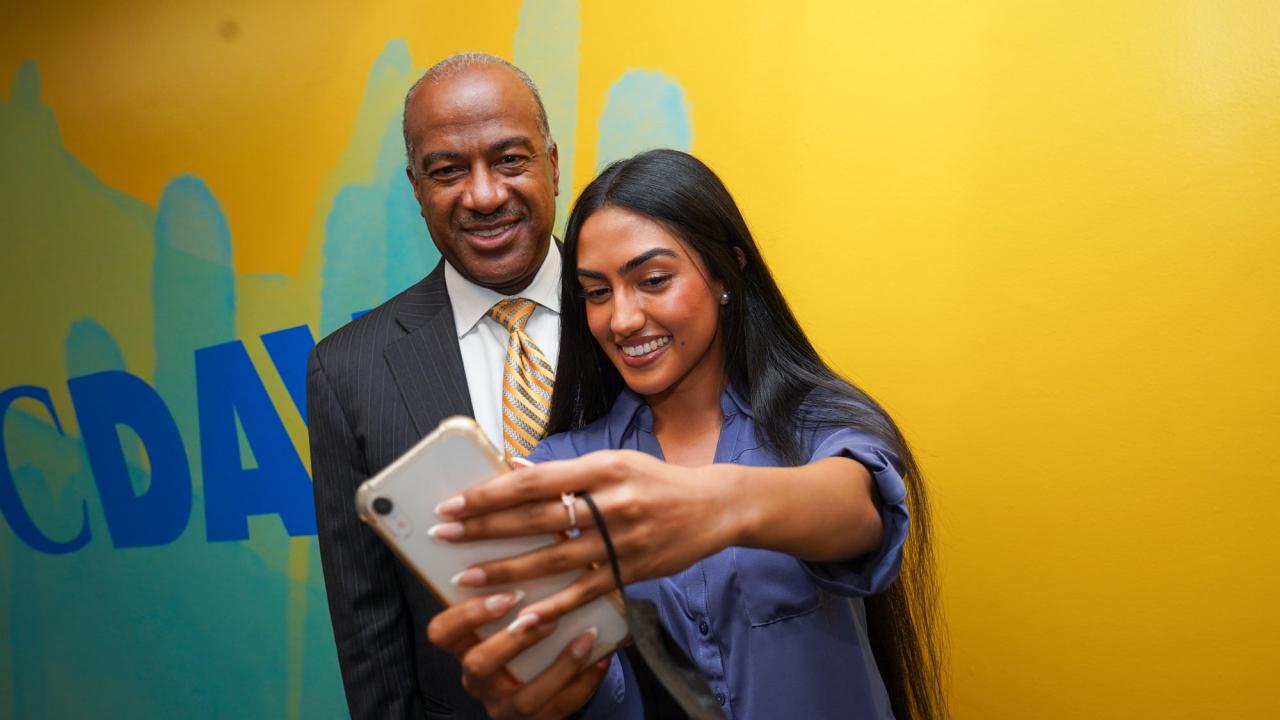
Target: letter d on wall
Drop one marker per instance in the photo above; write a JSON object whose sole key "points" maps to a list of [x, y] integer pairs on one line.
{"points": [[159, 515]]}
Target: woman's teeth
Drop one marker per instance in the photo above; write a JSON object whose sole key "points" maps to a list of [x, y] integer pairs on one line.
{"points": [[645, 349]]}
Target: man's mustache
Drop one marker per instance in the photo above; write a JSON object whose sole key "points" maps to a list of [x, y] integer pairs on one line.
{"points": [[503, 213]]}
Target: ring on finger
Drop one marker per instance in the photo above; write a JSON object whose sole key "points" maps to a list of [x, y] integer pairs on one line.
{"points": [[568, 500]]}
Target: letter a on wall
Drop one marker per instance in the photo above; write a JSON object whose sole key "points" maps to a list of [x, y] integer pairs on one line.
{"points": [[228, 388]]}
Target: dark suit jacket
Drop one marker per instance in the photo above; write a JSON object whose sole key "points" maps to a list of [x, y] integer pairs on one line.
{"points": [[374, 388]]}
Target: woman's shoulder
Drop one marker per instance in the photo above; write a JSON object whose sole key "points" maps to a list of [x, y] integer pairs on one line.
{"points": [[606, 432], [829, 414], [574, 443]]}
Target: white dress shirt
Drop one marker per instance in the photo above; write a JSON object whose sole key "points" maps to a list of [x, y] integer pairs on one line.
{"points": [[483, 340]]}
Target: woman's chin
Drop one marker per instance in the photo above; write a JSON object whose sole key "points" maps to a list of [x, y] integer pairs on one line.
{"points": [[642, 383]]}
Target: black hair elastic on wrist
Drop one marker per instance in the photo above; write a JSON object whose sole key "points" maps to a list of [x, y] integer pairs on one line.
{"points": [[671, 686]]}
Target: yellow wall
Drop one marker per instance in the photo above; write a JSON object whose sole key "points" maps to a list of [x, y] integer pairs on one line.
{"points": [[1045, 234]]}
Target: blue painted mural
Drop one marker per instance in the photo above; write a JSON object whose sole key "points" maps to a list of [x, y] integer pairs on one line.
{"points": [[158, 556]]}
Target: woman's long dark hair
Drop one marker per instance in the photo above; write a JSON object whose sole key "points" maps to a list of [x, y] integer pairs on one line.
{"points": [[772, 363]]}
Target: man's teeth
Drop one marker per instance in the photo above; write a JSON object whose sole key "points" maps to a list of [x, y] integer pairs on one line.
{"points": [[645, 349], [493, 232]]}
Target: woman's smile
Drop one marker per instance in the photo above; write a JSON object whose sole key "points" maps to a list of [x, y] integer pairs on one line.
{"points": [[640, 352]]}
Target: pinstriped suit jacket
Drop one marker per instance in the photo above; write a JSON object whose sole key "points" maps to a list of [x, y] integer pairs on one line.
{"points": [[374, 388]]}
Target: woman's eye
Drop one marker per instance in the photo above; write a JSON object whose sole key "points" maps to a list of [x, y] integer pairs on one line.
{"points": [[595, 294], [655, 281]]}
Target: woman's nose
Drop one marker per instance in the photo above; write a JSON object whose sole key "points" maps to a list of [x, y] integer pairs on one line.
{"points": [[628, 315]]}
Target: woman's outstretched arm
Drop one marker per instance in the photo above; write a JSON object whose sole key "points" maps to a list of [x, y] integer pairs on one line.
{"points": [[663, 518]]}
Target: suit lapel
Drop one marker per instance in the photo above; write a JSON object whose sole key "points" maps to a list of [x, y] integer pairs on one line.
{"points": [[426, 363]]}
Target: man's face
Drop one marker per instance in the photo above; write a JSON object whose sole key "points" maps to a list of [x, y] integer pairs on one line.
{"points": [[484, 181]]}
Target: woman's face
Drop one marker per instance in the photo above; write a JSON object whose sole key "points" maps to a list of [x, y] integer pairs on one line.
{"points": [[650, 303]]}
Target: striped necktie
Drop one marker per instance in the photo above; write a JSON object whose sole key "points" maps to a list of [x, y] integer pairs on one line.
{"points": [[527, 378]]}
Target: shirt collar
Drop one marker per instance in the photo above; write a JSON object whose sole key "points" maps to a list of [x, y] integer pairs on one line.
{"points": [[631, 408], [472, 302]]}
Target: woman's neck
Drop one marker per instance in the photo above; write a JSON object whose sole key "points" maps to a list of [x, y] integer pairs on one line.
{"points": [[687, 417]]}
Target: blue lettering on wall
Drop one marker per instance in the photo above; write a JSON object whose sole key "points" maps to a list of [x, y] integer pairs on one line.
{"points": [[11, 503], [159, 515], [288, 349], [228, 387]]}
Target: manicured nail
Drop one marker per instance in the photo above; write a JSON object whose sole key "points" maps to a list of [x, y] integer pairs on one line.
{"points": [[582, 646], [525, 620], [502, 602], [452, 506], [604, 664], [471, 577], [446, 531]]}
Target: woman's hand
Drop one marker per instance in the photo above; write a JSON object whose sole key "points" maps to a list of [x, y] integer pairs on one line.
{"points": [[661, 518], [560, 690]]}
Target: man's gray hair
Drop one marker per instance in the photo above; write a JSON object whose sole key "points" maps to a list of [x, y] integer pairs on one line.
{"points": [[454, 65]]}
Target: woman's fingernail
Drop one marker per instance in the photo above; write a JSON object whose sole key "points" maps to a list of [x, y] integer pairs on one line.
{"points": [[471, 577], [446, 531], [582, 646], [526, 620], [452, 506], [503, 602], [604, 664]]}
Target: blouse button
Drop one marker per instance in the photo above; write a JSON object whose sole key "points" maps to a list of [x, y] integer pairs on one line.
{"points": [[720, 698], [704, 628]]}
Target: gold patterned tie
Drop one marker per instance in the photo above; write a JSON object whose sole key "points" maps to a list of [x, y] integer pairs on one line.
{"points": [[527, 378]]}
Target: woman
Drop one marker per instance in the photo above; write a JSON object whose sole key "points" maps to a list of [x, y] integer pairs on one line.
{"points": [[755, 496]]}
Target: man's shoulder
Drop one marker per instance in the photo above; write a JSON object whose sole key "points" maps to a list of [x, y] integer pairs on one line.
{"points": [[370, 333]]}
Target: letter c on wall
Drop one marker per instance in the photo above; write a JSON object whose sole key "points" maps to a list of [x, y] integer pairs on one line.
{"points": [[11, 504]]}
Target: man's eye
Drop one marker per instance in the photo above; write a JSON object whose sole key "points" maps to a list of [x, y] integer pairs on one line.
{"points": [[510, 159], [446, 172]]}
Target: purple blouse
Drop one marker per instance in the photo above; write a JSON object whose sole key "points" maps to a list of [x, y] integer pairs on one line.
{"points": [[775, 637]]}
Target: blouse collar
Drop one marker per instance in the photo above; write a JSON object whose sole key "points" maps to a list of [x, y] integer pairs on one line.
{"points": [[631, 408]]}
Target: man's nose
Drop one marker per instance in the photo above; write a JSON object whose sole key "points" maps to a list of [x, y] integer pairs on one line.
{"points": [[485, 192]]}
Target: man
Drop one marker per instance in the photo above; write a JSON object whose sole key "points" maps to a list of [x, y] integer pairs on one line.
{"points": [[484, 170]]}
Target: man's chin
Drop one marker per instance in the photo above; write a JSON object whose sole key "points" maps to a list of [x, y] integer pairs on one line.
{"points": [[508, 278]]}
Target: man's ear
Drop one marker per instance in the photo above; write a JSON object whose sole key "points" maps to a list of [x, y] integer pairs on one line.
{"points": [[413, 180], [554, 156], [742, 257]]}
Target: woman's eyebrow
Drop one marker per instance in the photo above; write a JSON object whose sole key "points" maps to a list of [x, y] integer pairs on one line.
{"points": [[643, 258], [629, 265]]}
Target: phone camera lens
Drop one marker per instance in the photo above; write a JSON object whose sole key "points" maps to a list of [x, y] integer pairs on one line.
{"points": [[382, 506]]}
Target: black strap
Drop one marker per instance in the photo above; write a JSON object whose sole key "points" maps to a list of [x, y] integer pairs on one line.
{"points": [[608, 544], [671, 686]]}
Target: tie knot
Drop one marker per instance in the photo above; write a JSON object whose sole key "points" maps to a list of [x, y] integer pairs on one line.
{"points": [[512, 313]]}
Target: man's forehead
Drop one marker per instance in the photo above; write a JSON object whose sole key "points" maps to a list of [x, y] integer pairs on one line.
{"points": [[474, 97]]}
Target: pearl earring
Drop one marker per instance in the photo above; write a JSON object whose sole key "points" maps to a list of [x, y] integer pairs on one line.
{"points": [[724, 298]]}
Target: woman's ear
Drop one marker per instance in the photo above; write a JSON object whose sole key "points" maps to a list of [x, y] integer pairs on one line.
{"points": [[742, 257]]}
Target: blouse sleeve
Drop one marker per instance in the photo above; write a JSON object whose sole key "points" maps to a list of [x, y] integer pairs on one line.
{"points": [[874, 572]]}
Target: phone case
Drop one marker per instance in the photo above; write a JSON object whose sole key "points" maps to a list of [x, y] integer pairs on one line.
{"points": [[399, 504]]}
